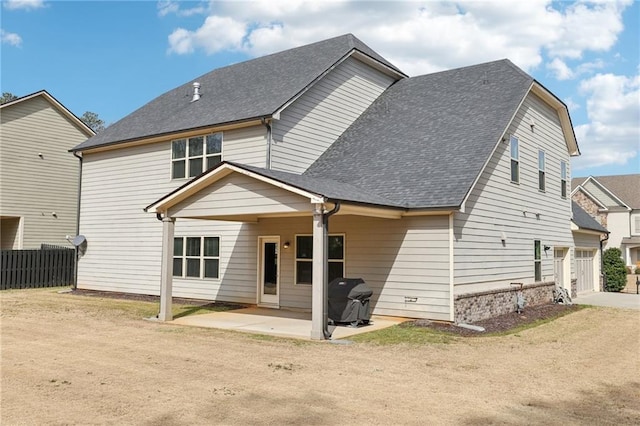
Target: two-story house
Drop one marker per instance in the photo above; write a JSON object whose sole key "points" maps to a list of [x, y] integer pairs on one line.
{"points": [[261, 181], [615, 202], [38, 178]]}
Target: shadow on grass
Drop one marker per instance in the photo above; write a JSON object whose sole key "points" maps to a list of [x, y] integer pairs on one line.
{"points": [[186, 310], [608, 405]]}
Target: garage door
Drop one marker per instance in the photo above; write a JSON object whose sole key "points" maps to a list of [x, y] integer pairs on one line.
{"points": [[584, 270]]}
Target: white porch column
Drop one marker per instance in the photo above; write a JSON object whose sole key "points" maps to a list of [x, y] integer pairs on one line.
{"points": [[166, 280], [627, 259], [318, 285]]}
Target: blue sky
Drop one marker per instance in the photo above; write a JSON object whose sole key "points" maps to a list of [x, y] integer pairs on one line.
{"points": [[113, 57]]}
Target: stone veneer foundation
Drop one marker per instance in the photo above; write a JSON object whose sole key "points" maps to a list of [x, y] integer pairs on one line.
{"points": [[474, 307]]}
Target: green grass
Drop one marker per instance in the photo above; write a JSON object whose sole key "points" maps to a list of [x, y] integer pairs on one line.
{"points": [[416, 335], [410, 334]]}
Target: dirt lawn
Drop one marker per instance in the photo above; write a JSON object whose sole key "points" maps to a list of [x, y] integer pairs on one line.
{"points": [[77, 360]]}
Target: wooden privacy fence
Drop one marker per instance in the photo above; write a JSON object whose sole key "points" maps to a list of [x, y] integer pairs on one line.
{"points": [[48, 267]]}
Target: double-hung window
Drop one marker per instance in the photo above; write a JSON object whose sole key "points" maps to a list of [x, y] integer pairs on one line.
{"points": [[196, 257], [541, 171], [192, 156], [515, 160], [304, 258], [563, 179], [537, 261]]}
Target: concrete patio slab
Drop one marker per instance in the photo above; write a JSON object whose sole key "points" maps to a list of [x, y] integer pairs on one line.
{"points": [[278, 322], [613, 300]]}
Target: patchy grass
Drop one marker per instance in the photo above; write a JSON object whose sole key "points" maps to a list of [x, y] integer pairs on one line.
{"points": [[404, 333]]}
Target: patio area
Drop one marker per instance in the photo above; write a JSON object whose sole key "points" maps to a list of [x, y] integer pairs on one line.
{"points": [[278, 322]]}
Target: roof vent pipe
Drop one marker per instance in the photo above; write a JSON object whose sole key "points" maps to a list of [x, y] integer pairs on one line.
{"points": [[196, 91]]}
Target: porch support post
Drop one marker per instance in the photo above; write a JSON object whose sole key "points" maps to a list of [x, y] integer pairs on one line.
{"points": [[628, 255], [166, 280], [318, 282]]}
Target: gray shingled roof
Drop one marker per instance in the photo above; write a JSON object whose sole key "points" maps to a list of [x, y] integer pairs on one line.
{"points": [[582, 219], [625, 187], [244, 91], [425, 140], [328, 188]]}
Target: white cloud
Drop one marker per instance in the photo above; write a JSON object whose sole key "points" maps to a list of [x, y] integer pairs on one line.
{"points": [[418, 37], [560, 69], [10, 38], [217, 33], [166, 7], [613, 133], [23, 4]]}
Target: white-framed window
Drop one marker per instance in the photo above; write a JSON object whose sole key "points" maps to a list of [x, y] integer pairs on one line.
{"points": [[192, 156], [563, 179], [196, 257], [537, 261], [304, 258], [636, 223], [541, 171], [515, 160]]}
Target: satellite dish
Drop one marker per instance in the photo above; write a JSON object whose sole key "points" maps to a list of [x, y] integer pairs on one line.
{"points": [[78, 240]]}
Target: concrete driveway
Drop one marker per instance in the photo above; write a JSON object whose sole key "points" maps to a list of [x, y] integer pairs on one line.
{"points": [[613, 300]]}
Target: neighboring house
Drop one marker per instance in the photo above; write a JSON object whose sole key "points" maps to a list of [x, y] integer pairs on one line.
{"points": [[38, 177], [615, 202], [446, 192], [588, 236]]}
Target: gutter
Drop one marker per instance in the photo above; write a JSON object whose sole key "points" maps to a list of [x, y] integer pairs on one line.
{"points": [[325, 284], [604, 283], [267, 124], [75, 275]]}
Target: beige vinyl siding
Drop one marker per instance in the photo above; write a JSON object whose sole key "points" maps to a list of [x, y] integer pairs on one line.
{"points": [[407, 258], [246, 146], [498, 206], [600, 195], [237, 194], [124, 242], [314, 121], [586, 240], [35, 187]]}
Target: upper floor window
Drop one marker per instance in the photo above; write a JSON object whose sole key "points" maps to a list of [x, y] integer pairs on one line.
{"points": [[192, 156], [541, 171], [304, 258], [515, 160], [563, 179], [196, 257]]}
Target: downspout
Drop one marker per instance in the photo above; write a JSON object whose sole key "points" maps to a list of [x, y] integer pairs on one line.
{"points": [[325, 305], [266, 124], [75, 273], [604, 277]]}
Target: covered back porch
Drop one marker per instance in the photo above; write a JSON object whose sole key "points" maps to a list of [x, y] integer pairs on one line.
{"points": [[303, 238]]}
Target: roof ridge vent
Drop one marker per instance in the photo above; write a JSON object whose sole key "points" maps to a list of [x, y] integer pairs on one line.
{"points": [[196, 91]]}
